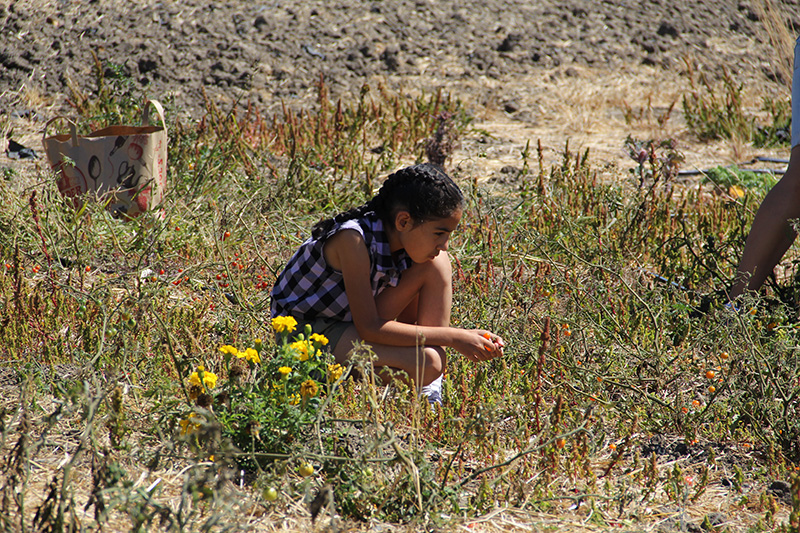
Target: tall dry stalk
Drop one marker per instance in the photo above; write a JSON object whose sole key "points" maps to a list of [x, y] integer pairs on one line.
{"points": [[780, 36]]}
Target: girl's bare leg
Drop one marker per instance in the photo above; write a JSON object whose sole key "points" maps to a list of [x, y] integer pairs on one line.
{"points": [[423, 296]]}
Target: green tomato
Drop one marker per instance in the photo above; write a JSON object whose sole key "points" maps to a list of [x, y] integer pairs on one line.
{"points": [[270, 494], [306, 470]]}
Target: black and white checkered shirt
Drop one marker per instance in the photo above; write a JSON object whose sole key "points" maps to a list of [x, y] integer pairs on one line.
{"points": [[309, 288]]}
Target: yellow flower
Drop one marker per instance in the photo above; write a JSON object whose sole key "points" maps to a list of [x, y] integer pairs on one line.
{"points": [[335, 372], [301, 347], [736, 191], [227, 348], [209, 379], [284, 324], [309, 388], [251, 355], [284, 370], [294, 399], [321, 339]]}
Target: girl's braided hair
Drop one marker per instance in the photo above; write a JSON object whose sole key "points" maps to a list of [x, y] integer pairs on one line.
{"points": [[425, 191]]}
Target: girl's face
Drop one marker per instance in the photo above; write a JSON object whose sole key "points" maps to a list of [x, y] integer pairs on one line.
{"points": [[423, 242]]}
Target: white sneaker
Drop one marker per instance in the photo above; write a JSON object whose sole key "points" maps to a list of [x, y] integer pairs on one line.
{"points": [[433, 391]]}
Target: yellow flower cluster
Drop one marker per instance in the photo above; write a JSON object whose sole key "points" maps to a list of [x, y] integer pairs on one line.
{"points": [[283, 324], [249, 354], [284, 370], [305, 348], [335, 372], [301, 347], [322, 340], [209, 379]]}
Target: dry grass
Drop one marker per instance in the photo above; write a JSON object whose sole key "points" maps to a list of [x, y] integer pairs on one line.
{"points": [[568, 514], [778, 34], [588, 111]]}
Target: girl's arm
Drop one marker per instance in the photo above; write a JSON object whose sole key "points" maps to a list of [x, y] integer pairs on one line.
{"points": [[347, 252]]}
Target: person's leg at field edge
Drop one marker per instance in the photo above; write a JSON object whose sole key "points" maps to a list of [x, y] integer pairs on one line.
{"points": [[772, 232]]}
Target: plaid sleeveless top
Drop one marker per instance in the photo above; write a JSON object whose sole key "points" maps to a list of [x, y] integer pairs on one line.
{"points": [[309, 288]]}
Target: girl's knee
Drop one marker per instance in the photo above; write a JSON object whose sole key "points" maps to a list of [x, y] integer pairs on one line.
{"points": [[434, 364]]}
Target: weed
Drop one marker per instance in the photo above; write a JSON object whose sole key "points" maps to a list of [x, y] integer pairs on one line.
{"points": [[348, 145], [716, 111], [112, 101], [632, 115], [778, 130], [657, 160]]}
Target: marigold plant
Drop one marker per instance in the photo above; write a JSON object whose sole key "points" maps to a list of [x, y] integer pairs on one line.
{"points": [[265, 401]]}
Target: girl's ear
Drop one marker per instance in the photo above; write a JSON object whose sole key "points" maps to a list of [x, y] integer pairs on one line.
{"points": [[403, 221]]}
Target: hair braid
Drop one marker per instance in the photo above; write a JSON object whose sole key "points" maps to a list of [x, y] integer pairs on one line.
{"points": [[322, 227]]}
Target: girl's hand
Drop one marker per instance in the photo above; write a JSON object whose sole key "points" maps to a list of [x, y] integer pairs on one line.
{"points": [[479, 345]]}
